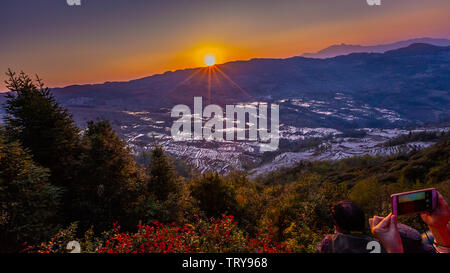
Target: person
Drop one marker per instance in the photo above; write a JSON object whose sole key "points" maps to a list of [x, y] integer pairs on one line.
{"points": [[387, 232], [412, 240], [349, 225]]}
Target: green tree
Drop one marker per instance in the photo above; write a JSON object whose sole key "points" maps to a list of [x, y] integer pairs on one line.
{"points": [[110, 180], [166, 198], [28, 202], [40, 124], [249, 200], [370, 195], [163, 179], [215, 196]]}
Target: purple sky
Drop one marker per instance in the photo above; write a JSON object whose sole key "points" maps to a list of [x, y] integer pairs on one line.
{"points": [[108, 40]]}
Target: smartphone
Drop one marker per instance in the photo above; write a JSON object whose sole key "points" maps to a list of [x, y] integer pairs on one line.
{"points": [[414, 202]]}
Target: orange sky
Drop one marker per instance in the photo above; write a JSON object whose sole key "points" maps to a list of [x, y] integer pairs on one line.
{"points": [[94, 43]]}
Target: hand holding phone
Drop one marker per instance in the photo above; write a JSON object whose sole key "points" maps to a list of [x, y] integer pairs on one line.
{"points": [[414, 202], [440, 216], [438, 223]]}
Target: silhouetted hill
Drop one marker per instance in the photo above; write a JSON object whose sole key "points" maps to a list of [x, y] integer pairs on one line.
{"points": [[418, 48], [344, 49]]}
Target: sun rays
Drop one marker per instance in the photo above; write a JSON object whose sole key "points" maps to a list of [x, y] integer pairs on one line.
{"points": [[214, 74], [210, 59]]}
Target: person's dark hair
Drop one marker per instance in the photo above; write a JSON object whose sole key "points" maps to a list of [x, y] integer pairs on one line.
{"points": [[348, 216]]}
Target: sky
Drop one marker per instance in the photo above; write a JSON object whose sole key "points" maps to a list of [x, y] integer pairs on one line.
{"points": [[118, 40]]}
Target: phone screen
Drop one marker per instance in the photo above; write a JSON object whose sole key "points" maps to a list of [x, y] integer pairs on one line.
{"points": [[414, 202]]}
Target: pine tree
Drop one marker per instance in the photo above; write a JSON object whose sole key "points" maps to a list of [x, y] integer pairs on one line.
{"points": [[163, 179], [215, 195], [28, 202], [40, 124], [110, 179]]}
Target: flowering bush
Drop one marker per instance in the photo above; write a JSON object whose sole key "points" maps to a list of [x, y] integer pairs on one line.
{"points": [[155, 238], [205, 236], [58, 243], [264, 243]]}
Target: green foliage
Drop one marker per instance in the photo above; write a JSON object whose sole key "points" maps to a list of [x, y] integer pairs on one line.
{"points": [[165, 195], [93, 178], [301, 239], [415, 136], [301, 204], [59, 242], [370, 196], [28, 202], [40, 124], [163, 179], [215, 196], [110, 180], [424, 166], [144, 158], [249, 199]]}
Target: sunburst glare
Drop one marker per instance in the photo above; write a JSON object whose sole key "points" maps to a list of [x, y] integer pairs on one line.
{"points": [[210, 59]]}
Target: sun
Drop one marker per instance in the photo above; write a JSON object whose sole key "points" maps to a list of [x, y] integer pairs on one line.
{"points": [[210, 59]]}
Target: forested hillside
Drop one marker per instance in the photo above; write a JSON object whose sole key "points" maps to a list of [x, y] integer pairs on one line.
{"points": [[58, 184]]}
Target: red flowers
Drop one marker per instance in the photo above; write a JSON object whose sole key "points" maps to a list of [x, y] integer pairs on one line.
{"points": [[213, 235], [204, 236]]}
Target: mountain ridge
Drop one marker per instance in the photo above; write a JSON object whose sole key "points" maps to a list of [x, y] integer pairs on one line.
{"points": [[360, 75], [345, 49], [250, 60], [325, 102], [410, 78]]}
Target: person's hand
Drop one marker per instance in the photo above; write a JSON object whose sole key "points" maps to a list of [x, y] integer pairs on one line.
{"points": [[386, 231], [437, 222], [440, 216]]}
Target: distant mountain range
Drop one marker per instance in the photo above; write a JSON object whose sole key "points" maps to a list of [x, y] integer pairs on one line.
{"points": [[411, 83], [375, 94], [344, 49], [400, 87]]}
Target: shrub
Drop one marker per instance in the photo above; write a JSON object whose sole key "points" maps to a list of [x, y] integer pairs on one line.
{"points": [[203, 236]]}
